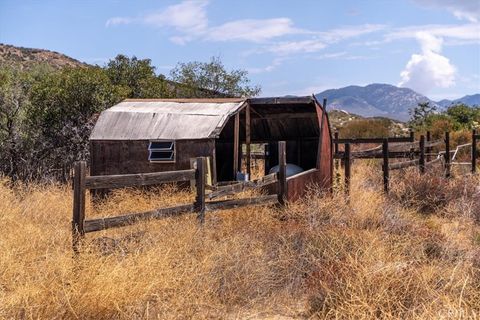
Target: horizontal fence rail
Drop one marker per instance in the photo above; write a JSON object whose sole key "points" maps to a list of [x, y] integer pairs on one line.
{"points": [[234, 203], [403, 164], [128, 219], [420, 154], [137, 180], [372, 140], [82, 182], [230, 189], [378, 155]]}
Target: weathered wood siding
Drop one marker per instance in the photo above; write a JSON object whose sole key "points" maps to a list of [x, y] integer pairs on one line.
{"points": [[123, 157]]}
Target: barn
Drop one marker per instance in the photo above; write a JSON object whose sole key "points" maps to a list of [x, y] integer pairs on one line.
{"points": [[151, 135]]}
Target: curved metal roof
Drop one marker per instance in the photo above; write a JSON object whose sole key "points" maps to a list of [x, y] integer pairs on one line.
{"points": [[170, 119]]}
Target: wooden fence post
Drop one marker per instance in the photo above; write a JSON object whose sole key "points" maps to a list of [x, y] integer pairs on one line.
{"points": [[474, 151], [336, 143], [422, 154], [337, 161], [282, 172], [78, 232], [447, 154], [348, 162], [248, 141], [200, 181], [386, 172], [412, 139], [236, 145], [428, 149]]}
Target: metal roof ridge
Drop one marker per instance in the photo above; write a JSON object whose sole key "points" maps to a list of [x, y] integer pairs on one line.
{"points": [[170, 113], [188, 100]]}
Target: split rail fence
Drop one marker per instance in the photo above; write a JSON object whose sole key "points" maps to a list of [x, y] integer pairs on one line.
{"points": [[83, 182], [403, 148]]}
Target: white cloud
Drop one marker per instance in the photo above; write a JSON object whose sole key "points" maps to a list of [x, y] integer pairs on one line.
{"points": [[338, 34], [462, 9], [253, 30], [343, 55], [321, 39], [429, 42], [272, 66], [188, 17], [466, 32], [115, 21], [333, 55], [292, 47], [429, 69]]}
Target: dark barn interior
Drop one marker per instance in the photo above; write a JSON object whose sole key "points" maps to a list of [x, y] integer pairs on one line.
{"points": [[271, 120]]}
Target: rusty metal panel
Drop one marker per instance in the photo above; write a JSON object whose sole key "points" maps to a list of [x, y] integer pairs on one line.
{"points": [[325, 152], [298, 185], [140, 120], [326, 165]]}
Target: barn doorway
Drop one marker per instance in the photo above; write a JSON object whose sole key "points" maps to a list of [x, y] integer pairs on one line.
{"points": [[260, 125]]}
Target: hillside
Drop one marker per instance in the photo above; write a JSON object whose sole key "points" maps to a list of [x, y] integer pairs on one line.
{"points": [[382, 100], [28, 57], [340, 119]]}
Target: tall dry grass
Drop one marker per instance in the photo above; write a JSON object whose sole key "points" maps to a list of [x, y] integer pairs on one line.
{"points": [[374, 257]]}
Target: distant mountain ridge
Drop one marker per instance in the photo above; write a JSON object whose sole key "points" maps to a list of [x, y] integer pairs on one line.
{"points": [[383, 100], [471, 100]]}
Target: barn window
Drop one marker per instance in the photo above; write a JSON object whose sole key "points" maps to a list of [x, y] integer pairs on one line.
{"points": [[161, 151]]}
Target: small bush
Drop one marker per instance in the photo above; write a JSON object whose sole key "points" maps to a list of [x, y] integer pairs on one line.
{"points": [[432, 193], [366, 128]]}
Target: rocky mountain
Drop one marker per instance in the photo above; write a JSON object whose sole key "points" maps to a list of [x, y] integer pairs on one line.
{"points": [[381, 100], [471, 100], [384, 100], [27, 57]]}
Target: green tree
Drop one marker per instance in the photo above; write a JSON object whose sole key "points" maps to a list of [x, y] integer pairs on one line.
{"points": [[212, 80], [63, 108], [420, 113], [465, 117], [137, 76], [14, 86]]}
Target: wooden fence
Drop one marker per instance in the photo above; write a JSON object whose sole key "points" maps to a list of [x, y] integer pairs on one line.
{"points": [[419, 154], [82, 182], [475, 139]]}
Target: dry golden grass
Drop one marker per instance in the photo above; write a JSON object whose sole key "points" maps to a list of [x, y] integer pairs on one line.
{"points": [[319, 258]]}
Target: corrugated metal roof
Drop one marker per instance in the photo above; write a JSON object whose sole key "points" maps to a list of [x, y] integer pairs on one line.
{"points": [[164, 119]]}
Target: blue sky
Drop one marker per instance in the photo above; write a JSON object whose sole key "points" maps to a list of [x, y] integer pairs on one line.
{"points": [[288, 47]]}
